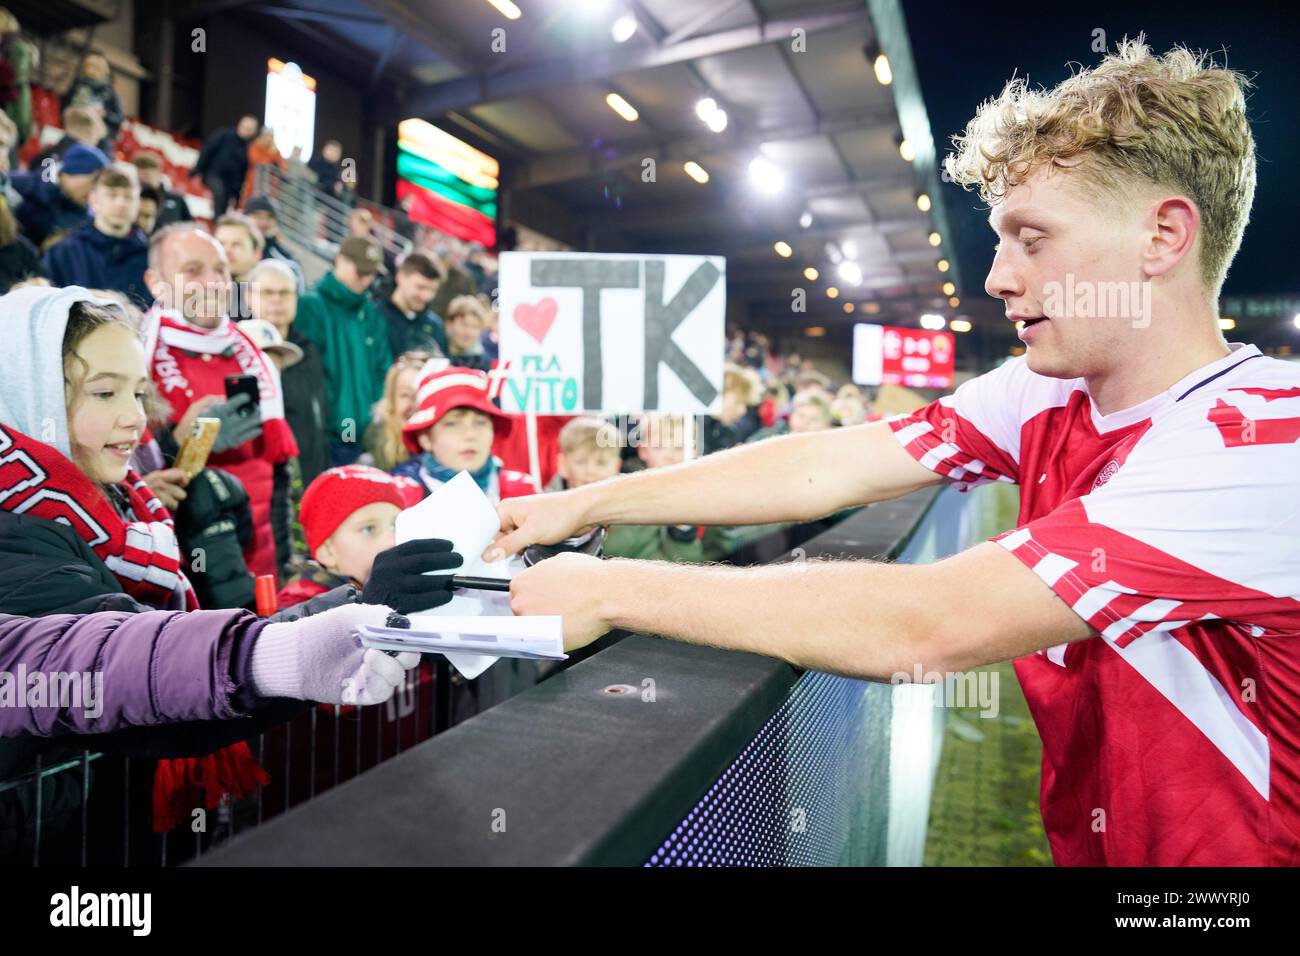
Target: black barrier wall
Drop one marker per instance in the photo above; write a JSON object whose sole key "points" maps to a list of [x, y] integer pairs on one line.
{"points": [[605, 762], [64, 805]]}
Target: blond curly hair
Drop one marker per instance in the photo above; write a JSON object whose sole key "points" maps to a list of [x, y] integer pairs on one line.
{"points": [[1135, 120]]}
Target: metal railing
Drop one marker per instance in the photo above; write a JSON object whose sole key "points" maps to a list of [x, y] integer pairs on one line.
{"points": [[316, 223], [92, 808]]}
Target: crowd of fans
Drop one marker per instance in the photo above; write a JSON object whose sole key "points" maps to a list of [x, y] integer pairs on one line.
{"points": [[373, 386], [392, 369]]}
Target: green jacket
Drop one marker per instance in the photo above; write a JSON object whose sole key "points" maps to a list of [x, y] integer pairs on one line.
{"points": [[651, 543], [660, 543], [352, 337], [780, 428], [664, 543]]}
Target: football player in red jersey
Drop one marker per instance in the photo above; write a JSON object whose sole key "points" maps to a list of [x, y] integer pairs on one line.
{"points": [[1150, 595]]}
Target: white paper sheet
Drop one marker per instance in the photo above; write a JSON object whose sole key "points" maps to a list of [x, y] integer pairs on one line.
{"points": [[505, 637], [460, 512]]}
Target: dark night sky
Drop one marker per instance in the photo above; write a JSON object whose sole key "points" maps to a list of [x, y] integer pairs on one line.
{"points": [[966, 53]]}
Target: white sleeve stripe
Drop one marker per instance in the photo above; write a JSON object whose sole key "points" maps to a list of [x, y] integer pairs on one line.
{"points": [[1015, 539], [1151, 611], [1052, 566], [913, 431], [1156, 610], [1098, 597], [939, 453]]}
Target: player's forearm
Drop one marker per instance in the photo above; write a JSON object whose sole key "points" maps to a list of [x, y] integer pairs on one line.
{"points": [[857, 618], [789, 478]]}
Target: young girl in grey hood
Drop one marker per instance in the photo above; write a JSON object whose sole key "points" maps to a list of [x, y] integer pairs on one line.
{"points": [[80, 532]]}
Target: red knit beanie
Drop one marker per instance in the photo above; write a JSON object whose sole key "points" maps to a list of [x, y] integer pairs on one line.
{"points": [[336, 493]]}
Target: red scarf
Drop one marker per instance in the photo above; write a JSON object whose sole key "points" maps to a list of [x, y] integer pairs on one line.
{"points": [[140, 549], [171, 343], [142, 552]]}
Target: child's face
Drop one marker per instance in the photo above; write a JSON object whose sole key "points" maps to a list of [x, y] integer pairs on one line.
{"points": [[461, 439], [807, 417], [95, 68], [405, 392], [661, 455], [106, 404], [583, 466], [733, 406], [351, 550], [464, 331]]}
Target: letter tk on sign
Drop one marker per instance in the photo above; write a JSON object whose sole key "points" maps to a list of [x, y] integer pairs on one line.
{"points": [[617, 334]]}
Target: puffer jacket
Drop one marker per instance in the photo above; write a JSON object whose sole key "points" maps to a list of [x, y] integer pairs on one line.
{"points": [[175, 683], [47, 569], [157, 667]]}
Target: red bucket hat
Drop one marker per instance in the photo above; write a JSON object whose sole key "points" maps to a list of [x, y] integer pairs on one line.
{"points": [[453, 387], [335, 494]]}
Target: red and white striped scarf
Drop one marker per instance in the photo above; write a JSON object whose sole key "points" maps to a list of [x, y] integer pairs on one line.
{"points": [[169, 336], [141, 549]]}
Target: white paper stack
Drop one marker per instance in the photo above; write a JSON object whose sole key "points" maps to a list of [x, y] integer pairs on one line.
{"points": [[475, 628]]}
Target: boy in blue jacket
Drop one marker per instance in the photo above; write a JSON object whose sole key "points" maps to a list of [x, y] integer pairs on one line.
{"points": [[109, 251]]}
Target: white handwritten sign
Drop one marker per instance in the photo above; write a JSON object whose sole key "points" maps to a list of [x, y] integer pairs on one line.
{"points": [[612, 333]]}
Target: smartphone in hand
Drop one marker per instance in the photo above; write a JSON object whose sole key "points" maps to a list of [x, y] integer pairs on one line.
{"points": [[244, 385]]}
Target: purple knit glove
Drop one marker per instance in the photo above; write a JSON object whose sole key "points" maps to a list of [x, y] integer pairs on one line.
{"points": [[320, 658]]}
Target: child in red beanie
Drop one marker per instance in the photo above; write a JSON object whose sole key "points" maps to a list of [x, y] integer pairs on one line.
{"points": [[349, 515], [452, 431]]}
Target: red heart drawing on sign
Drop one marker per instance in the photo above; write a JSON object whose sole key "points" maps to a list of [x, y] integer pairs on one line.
{"points": [[536, 319]]}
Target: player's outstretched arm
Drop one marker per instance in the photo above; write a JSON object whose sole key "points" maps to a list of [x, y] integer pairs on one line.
{"points": [[858, 618], [786, 478]]}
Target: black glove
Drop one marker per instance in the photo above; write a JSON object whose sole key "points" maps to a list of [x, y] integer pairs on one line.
{"points": [[398, 577], [237, 425]]}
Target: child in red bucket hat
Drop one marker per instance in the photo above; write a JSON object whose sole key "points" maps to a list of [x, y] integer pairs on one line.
{"points": [[348, 515], [452, 431]]}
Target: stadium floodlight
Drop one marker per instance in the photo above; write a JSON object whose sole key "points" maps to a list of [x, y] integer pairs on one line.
{"points": [[850, 272], [765, 176], [884, 75], [623, 28], [696, 171], [622, 107], [507, 9]]}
